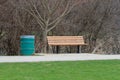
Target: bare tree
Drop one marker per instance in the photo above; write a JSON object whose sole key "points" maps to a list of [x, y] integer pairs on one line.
{"points": [[48, 13]]}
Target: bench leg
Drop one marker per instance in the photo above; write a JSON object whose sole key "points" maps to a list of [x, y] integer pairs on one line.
{"points": [[57, 49], [78, 49]]}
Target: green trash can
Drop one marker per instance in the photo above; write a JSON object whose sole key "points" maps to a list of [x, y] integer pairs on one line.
{"points": [[27, 44]]}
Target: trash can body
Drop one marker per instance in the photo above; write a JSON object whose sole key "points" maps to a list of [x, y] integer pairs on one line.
{"points": [[27, 44]]}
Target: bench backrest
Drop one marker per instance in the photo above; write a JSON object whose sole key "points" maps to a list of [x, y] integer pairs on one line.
{"points": [[65, 40]]}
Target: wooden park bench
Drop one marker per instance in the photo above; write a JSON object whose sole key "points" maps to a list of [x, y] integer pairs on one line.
{"points": [[66, 41]]}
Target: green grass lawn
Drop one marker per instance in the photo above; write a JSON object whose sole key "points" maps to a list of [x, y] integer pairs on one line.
{"points": [[76, 70]]}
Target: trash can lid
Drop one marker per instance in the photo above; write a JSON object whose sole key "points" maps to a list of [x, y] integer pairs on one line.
{"points": [[27, 36]]}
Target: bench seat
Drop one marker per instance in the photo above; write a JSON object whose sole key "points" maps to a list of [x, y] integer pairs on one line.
{"points": [[66, 40]]}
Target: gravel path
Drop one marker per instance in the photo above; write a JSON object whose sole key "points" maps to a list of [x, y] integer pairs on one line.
{"points": [[57, 57]]}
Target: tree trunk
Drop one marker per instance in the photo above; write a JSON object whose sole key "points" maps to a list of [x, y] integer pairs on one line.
{"points": [[45, 41]]}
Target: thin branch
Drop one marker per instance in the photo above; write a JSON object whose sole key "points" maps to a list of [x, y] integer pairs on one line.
{"points": [[38, 20], [47, 7], [37, 12], [62, 15], [54, 25], [57, 4]]}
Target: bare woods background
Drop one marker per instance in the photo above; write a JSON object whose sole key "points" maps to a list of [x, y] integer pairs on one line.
{"points": [[97, 20]]}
